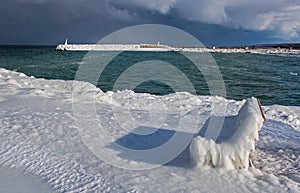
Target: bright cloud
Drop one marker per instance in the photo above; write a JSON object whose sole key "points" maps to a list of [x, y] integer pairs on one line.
{"points": [[162, 6], [281, 17]]}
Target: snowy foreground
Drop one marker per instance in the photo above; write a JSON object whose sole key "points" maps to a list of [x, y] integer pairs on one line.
{"points": [[42, 150]]}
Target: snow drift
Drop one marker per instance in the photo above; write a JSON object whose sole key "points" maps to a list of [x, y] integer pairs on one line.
{"points": [[39, 139], [232, 153]]}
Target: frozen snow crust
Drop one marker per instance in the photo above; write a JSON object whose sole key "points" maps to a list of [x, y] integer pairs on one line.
{"points": [[39, 137]]}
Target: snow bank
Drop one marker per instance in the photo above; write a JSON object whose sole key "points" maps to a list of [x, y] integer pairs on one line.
{"points": [[39, 138], [232, 153]]}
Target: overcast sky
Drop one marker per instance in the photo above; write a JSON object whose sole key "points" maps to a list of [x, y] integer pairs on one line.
{"points": [[213, 22]]}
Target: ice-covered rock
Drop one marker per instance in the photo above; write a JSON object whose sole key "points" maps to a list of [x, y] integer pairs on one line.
{"points": [[233, 152]]}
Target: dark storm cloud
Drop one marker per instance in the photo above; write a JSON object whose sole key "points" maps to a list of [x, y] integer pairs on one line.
{"points": [[213, 22], [49, 21], [279, 16]]}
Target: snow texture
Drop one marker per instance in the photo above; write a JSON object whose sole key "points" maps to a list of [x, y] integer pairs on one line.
{"points": [[39, 139]]}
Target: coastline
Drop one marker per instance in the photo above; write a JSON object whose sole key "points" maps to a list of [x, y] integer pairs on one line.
{"points": [[166, 48]]}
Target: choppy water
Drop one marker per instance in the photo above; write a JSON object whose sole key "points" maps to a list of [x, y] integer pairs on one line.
{"points": [[272, 78]]}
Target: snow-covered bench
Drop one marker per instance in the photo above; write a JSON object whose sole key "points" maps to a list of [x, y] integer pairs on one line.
{"points": [[233, 152]]}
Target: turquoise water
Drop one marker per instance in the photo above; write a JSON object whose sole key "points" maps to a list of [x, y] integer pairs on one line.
{"points": [[273, 79]]}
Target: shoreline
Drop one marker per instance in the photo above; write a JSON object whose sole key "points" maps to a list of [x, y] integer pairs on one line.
{"points": [[166, 48]]}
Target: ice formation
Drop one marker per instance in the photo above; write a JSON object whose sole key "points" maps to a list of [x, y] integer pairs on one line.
{"points": [[232, 153]]}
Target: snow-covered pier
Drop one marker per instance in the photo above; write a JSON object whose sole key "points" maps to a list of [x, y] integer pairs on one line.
{"points": [[161, 48], [113, 47]]}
